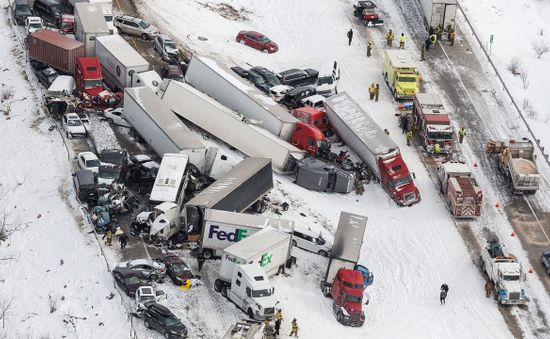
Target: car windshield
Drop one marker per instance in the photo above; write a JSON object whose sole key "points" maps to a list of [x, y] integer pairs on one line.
{"points": [[93, 83], [400, 181], [169, 45], [258, 80], [406, 79], [108, 18], [264, 40], [24, 9], [261, 293], [35, 25], [92, 163], [272, 79], [440, 135], [108, 175], [510, 277], [146, 298], [144, 24], [179, 268], [353, 298], [171, 321], [133, 280], [320, 240], [74, 123], [326, 80]]}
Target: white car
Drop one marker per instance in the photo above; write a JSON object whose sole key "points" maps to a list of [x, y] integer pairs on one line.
{"points": [[166, 47], [88, 161], [33, 24], [73, 126], [116, 116], [316, 101], [310, 241], [277, 92]]}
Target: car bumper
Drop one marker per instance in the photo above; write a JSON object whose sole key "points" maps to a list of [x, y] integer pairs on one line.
{"points": [[513, 302]]}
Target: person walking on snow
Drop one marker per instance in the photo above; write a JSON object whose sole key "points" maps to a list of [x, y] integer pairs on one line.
{"points": [[428, 43], [278, 320], [376, 92], [109, 240], [452, 36], [386, 131], [443, 293], [404, 124], [350, 36], [409, 137], [433, 39], [461, 134], [123, 239], [437, 150], [295, 328], [372, 88], [389, 38], [369, 49], [402, 41], [488, 288]]}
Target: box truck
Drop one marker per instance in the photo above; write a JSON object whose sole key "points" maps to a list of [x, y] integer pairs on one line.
{"points": [[89, 25], [246, 268], [218, 120], [211, 77], [439, 13], [235, 191], [120, 62], [165, 133], [55, 49], [222, 229], [376, 149], [106, 8]]}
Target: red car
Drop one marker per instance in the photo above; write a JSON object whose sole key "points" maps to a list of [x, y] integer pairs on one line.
{"points": [[258, 41]]}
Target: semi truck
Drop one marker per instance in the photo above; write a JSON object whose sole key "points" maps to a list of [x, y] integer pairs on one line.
{"points": [[89, 25], [120, 62], [460, 189], [211, 77], [376, 149], [106, 8], [218, 120], [517, 160], [222, 229], [165, 133], [89, 84], [432, 122], [237, 190], [171, 180], [505, 272], [440, 13], [343, 282], [401, 74], [55, 49], [246, 267]]}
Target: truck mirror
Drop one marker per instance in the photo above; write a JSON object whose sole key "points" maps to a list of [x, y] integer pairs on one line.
{"points": [[414, 175]]}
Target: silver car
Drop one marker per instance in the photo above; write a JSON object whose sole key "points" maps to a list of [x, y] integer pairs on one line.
{"points": [[135, 26], [166, 47], [148, 268]]}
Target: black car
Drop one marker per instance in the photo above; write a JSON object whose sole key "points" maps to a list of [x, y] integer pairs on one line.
{"points": [[292, 98], [176, 269], [142, 169], [20, 10], [46, 76], [85, 186], [161, 319], [50, 10], [128, 280], [243, 73], [297, 77], [545, 259], [269, 78], [258, 81]]}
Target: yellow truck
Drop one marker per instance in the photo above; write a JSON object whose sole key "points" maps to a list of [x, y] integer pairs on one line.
{"points": [[401, 74]]}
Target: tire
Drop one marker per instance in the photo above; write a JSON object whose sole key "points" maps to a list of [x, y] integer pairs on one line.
{"points": [[395, 94], [294, 243], [68, 135], [154, 277], [339, 317], [147, 325], [166, 334], [241, 41], [264, 51], [109, 120], [145, 36], [250, 313], [217, 286], [322, 253], [207, 254], [224, 291]]}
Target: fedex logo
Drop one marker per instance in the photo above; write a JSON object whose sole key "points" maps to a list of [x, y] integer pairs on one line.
{"points": [[238, 235]]}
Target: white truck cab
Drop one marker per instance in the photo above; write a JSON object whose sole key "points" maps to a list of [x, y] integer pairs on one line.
{"points": [[251, 290], [164, 220], [327, 81]]}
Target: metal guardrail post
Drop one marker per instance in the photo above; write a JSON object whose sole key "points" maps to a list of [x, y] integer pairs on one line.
{"points": [[541, 148]]}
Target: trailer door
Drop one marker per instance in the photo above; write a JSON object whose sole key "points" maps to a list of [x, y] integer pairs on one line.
{"points": [[449, 16]]}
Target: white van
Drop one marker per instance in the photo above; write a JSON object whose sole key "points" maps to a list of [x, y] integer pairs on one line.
{"points": [[327, 81], [311, 241]]}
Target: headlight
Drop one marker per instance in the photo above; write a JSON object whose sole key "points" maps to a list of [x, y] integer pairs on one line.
{"points": [[522, 293]]}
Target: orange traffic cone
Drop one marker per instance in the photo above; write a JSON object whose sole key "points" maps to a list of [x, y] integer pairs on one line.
{"points": [[513, 234], [497, 205]]}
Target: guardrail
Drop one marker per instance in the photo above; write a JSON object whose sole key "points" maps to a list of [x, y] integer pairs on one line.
{"points": [[537, 141]]}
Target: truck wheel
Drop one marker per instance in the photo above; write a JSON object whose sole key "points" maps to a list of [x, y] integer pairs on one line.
{"points": [[147, 325], [322, 253], [217, 286], [264, 51], [109, 120], [224, 291], [260, 207], [166, 334], [250, 313], [153, 277], [145, 36], [339, 317], [294, 243], [207, 254]]}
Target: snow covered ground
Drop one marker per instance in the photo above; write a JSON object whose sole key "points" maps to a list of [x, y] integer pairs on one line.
{"points": [[57, 280]]}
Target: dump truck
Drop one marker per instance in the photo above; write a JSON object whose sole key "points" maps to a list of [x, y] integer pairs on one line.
{"points": [[376, 149], [222, 229], [432, 122], [401, 74], [505, 272], [440, 13], [517, 160], [344, 281], [460, 189]]}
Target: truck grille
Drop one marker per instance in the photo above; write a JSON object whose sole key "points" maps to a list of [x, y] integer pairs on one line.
{"points": [[514, 295], [410, 197], [269, 311]]}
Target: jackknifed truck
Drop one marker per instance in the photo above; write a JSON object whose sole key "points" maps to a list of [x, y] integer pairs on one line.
{"points": [[504, 271], [376, 149], [246, 268], [440, 13], [460, 189], [344, 281], [517, 160]]}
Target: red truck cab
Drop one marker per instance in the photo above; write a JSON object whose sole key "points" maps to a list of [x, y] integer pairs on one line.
{"points": [[347, 294], [312, 116], [397, 181], [310, 139], [89, 83]]}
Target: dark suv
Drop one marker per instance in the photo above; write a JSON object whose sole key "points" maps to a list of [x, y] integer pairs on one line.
{"points": [[293, 98], [263, 78], [20, 10], [112, 169], [161, 319], [297, 77], [50, 10]]}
